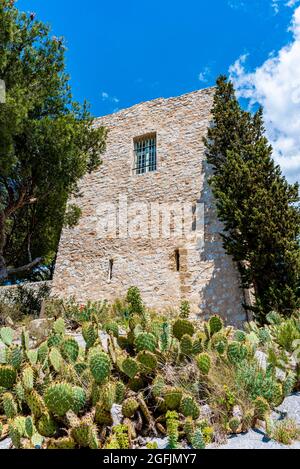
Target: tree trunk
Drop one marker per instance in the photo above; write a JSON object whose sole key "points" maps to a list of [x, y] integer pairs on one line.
{"points": [[3, 269]]}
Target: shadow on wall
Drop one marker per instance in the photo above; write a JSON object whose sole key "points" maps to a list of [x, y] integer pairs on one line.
{"points": [[222, 293]]}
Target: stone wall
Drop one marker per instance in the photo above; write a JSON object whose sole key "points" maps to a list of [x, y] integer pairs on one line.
{"points": [[35, 286], [207, 276]]}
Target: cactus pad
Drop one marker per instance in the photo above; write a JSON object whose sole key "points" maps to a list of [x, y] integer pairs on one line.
{"points": [[59, 398], [100, 366], [182, 327]]}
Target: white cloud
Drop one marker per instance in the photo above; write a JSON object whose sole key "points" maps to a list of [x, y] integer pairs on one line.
{"points": [[275, 6], [106, 97], [204, 75], [236, 4], [292, 3], [256, 5], [276, 86]]}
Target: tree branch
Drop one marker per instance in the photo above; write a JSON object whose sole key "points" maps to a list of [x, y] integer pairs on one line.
{"points": [[25, 268]]}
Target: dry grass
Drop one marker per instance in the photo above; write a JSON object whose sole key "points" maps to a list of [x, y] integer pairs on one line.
{"points": [[286, 431]]}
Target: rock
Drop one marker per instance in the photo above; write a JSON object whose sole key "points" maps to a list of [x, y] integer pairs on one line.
{"points": [[237, 412], [6, 443], [162, 443], [39, 328], [116, 414], [205, 412], [254, 439], [81, 342], [261, 358], [9, 322], [291, 407]]}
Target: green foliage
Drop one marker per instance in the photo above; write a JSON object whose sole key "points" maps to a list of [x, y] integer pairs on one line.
{"points": [[27, 301], [172, 397], [8, 376], [204, 363], [145, 341], [189, 407], [236, 352], [186, 345], [185, 309], [258, 207], [130, 367], [234, 424], [70, 349], [172, 429], [257, 382], [147, 361], [121, 432], [100, 365], [182, 327], [47, 143], [215, 324], [129, 407], [60, 388], [9, 405], [135, 302], [28, 378], [6, 335], [198, 440], [89, 333], [59, 398], [262, 408], [151, 445]]}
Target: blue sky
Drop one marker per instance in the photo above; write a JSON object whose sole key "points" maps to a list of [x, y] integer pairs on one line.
{"points": [[121, 53], [139, 50]]}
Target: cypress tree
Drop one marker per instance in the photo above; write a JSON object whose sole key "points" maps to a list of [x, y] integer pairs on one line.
{"points": [[258, 207]]}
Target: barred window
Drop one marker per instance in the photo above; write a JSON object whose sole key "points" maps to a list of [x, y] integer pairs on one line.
{"points": [[144, 154]]}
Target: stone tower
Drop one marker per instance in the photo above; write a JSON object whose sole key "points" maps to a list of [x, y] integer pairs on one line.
{"points": [[154, 160]]}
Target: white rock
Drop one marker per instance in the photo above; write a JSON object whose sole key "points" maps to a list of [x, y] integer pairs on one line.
{"points": [[116, 414], [39, 328]]}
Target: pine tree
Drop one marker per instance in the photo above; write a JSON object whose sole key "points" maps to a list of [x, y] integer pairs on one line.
{"points": [[47, 143], [258, 207]]}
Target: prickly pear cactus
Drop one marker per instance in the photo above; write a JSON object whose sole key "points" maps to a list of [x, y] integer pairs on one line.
{"points": [[147, 361], [189, 407], [172, 397], [8, 376], [215, 324], [70, 349], [182, 327], [100, 365], [204, 363], [129, 407], [262, 408], [186, 345], [130, 367], [59, 398], [145, 341]]}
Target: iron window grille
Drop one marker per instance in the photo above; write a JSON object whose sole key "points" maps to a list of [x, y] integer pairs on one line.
{"points": [[145, 154]]}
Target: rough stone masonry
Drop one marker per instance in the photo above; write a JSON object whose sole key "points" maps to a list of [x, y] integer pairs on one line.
{"points": [[91, 266]]}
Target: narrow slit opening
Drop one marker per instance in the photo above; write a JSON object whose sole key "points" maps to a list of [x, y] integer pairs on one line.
{"points": [[110, 269], [177, 260]]}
